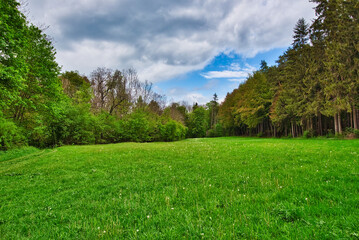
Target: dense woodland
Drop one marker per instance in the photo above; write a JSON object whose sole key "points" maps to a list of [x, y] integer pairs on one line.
{"points": [[313, 90]]}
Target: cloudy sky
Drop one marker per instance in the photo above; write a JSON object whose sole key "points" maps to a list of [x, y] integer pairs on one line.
{"points": [[189, 49]]}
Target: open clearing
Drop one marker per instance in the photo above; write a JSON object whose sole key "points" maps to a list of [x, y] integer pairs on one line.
{"points": [[228, 188]]}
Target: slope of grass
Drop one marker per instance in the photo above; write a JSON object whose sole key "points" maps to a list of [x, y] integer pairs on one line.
{"points": [[225, 188]]}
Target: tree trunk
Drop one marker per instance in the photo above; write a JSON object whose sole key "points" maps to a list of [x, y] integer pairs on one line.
{"points": [[340, 130], [355, 117], [320, 128], [336, 123], [275, 131], [293, 131], [311, 124]]}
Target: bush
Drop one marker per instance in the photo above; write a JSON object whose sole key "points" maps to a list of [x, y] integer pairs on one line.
{"points": [[330, 133], [107, 129], [78, 126], [10, 135], [39, 136], [138, 127], [260, 134], [172, 131], [351, 133], [309, 133], [217, 131]]}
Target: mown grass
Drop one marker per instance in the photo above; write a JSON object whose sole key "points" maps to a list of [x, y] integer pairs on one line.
{"points": [[224, 188]]}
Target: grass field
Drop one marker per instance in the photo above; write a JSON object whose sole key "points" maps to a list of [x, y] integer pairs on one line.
{"points": [[224, 188]]}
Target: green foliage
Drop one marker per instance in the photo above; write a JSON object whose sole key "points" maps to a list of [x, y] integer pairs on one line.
{"points": [[253, 106], [260, 134], [172, 131], [309, 133], [312, 80], [76, 87], [216, 131], [138, 127], [351, 133], [107, 129], [12, 63], [356, 133], [330, 133], [198, 123], [78, 125], [10, 135]]}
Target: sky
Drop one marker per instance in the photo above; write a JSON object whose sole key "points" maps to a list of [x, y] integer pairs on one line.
{"points": [[189, 49]]}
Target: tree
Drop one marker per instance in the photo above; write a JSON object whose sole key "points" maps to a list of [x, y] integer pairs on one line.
{"points": [[338, 24], [13, 67], [198, 123], [213, 110], [72, 82], [301, 33]]}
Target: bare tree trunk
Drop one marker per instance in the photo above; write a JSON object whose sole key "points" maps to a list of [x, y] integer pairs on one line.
{"points": [[336, 123], [320, 128], [311, 123], [355, 117], [340, 130], [293, 131]]}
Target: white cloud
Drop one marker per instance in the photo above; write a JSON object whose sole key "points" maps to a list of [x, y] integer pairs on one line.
{"points": [[163, 39], [234, 74], [196, 98], [225, 74]]}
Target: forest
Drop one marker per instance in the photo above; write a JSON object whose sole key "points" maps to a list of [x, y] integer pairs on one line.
{"points": [[311, 91]]}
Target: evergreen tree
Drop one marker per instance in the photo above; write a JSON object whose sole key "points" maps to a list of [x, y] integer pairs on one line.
{"points": [[301, 33]]}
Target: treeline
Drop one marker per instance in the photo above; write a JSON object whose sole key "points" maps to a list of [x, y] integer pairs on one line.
{"points": [[313, 89], [42, 108]]}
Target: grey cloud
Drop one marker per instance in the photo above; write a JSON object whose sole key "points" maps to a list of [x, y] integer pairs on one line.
{"points": [[162, 38]]}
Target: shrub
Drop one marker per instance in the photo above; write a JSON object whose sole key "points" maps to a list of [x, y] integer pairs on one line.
{"points": [[172, 131], [39, 136], [78, 126], [309, 133], [330, 134], [356, 133], [10, 135], [260, 134], [217, 131], [138, 127], [107, 129]]}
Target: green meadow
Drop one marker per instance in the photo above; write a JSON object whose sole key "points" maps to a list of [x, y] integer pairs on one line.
{"points": [[223, 188]]}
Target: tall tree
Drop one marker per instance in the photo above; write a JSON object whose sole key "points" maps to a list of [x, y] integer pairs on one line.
{"points": [[336, 21], [301, 33]]}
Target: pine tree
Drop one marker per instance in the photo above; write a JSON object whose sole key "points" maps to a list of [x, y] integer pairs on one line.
{"points": [[301, 33], [336, 22]]}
